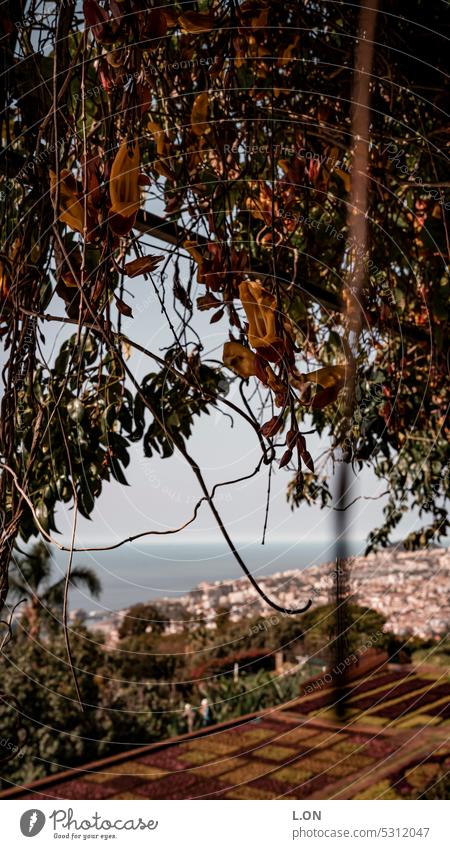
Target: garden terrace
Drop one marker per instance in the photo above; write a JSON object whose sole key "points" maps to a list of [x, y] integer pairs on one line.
{"points": [[278, 754], [404, 698]]}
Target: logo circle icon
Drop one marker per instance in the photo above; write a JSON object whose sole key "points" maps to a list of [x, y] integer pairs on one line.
{"points": [[32, 822]]}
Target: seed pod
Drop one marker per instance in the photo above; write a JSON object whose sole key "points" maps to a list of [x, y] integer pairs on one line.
{"points": [[301, 443], [286, 458], [75, 409], [291, 438], [272, 427], [308, 460]]}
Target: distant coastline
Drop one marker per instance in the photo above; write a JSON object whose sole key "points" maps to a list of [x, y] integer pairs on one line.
{"points": [[411, 589], [152, 570]]}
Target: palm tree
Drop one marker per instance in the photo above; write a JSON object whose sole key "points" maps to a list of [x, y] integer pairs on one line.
{"points": [[30, 580]]}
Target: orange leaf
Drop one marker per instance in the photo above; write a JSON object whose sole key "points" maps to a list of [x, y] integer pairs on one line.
{"points": [[191, 248], [240, 359], [260, 309], [143, 265], [327, 377], [194, 22], [123, 182], [346, 179], [71, 211], [328, 381], [199, 115], [159, 136]]}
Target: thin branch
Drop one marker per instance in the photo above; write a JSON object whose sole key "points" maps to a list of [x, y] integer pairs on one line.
{"points": [[99, 547], [198, 474], [362, 498]]}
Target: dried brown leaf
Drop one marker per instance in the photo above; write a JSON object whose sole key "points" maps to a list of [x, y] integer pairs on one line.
{"points": [[142, 265]]}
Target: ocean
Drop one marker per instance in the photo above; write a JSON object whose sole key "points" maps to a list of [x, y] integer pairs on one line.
{"points": [[138, 572]]}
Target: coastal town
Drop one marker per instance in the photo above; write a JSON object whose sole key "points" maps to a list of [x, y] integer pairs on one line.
{"points": [[410, 589]]}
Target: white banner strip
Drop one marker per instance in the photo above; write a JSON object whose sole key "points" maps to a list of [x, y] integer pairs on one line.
{"points": [[225, 824]]}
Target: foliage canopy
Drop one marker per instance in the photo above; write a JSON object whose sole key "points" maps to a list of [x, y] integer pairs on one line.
{"points": [[234, 119]]}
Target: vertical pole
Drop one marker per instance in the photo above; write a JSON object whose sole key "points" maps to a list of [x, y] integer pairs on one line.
{"points": [[352, 296]]}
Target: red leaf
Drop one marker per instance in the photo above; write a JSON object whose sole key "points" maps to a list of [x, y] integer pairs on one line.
{"points": [[98, 21], [308, 460], [207, 302], [124, 308], [217, 316], [286, 458], [272, 427], [324, 397]]}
